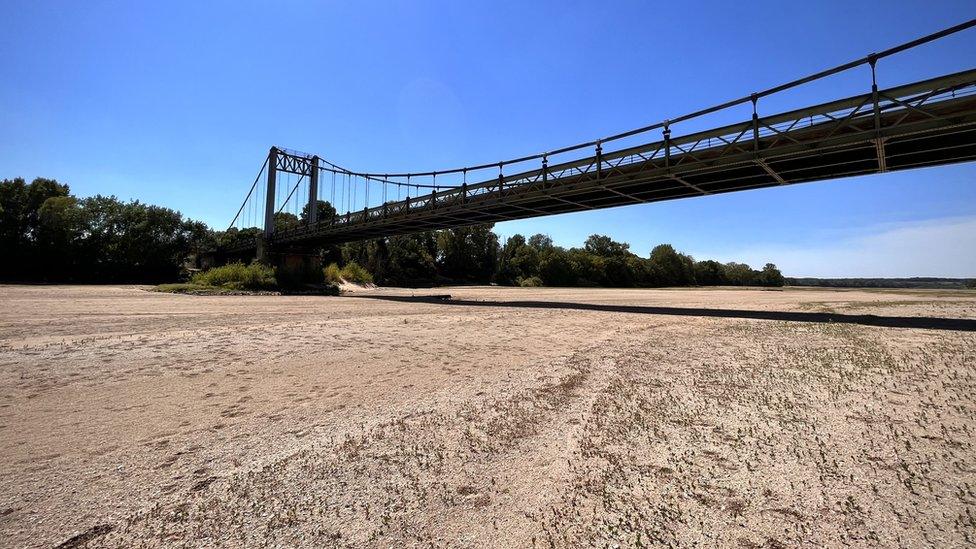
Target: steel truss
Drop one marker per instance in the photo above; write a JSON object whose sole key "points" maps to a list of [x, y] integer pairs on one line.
{"points": [[926, 123]]}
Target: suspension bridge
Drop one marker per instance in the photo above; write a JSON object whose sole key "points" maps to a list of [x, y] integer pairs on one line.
{"points": [[924, 123]]}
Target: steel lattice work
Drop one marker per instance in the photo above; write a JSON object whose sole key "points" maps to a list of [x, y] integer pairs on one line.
{"points": [[926, 123]]}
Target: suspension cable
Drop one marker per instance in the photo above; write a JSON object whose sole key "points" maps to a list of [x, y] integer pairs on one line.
{"points": [[253, 185], [288, 198], [385, 178], [871, 58]]}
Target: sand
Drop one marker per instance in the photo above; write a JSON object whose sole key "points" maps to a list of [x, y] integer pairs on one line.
{"points": [[508, 417]]}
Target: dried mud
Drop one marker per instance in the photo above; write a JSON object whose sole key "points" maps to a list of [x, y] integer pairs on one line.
{"points": [[136, 419]]}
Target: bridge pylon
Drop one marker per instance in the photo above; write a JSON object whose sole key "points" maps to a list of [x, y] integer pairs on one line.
{"points": [[269, 206]]}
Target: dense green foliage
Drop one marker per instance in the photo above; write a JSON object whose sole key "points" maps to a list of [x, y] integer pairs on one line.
{"points": [[473, 255], [354, 272], [238, 276], [332, 274], [325, 211], [49, 235]]}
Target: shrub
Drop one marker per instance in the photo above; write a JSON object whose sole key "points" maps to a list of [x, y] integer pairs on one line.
{"points": [[194, 289], [530, 282], [332, 274], [181, 288], [353, 272], [238, 276]]}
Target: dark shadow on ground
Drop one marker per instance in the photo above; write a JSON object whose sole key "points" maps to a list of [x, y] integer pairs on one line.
{"points": [[925, 322]]}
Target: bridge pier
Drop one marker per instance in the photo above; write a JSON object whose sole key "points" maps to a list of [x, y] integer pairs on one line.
{"points": [[261, 249], [297, 266]]}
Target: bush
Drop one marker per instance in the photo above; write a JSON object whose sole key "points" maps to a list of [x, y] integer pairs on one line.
{"points": [[332, 274], [353, 272], [530, 282], [182, 288], [196, 289], [238, 276]]}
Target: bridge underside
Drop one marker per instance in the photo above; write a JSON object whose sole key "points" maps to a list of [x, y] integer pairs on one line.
{"points": [[928, 123]]}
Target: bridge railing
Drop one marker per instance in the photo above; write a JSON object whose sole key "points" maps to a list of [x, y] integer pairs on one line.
{"points": [[828, 118], [565, 164], [870, 60]]}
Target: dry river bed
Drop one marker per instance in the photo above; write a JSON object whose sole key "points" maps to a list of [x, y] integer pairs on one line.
{"points": [[501, 418]]}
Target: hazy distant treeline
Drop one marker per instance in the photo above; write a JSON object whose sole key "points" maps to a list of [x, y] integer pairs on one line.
{"points": [[915, 282], [48, 235]]}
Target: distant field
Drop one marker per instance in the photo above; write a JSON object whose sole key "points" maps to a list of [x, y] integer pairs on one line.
{"points": [[512, 417]]}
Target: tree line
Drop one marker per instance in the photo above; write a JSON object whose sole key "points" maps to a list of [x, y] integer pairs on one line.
{"points": [[474, 255], [47, 234], [916, 282]]}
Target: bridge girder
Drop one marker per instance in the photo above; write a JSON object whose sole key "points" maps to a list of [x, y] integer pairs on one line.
{"points": [[930, 122]]}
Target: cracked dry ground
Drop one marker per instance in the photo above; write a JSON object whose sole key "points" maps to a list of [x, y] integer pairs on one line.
{"points": [[130, 419]]}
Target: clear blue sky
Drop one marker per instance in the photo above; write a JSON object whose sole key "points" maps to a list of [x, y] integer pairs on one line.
{"points": [[176, 103]]}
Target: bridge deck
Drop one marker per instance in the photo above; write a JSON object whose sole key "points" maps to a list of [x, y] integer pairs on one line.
{"points": [[927, 123]]}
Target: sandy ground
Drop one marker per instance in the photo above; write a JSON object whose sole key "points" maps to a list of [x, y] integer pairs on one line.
{"points": [[509, 418]]}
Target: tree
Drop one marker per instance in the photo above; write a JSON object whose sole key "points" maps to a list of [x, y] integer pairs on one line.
{"points": [[517, 261], [59, 230], [770, 276], [640, 270], [505, 274], [740, 274], [20, 206], [541, 242], [133, 241], [588, 268], [47, 234], [556, 268], [357, 250], [234, 237], [669, 268], [412, 259], [604, 246], [50, 235], [324, 212], [618, 272], [285, 220], [710, 273], [468, 253]]}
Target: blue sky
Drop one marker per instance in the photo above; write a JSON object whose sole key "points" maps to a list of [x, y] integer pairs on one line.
{"points": [[176, 103]]}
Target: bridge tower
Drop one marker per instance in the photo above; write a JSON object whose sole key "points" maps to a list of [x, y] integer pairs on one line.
{"points": [[269, 206], [306, 167], [298, 262]]}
